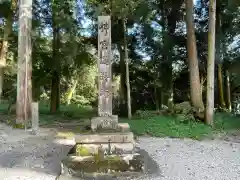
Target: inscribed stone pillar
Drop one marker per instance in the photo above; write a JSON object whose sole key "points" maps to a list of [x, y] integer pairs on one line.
{"points": [[104, 66], [105, 119]]}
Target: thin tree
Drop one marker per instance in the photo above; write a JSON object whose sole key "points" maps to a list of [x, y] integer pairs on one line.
{"points": [[127, 70], [211, 63], [229, 103], [24, 85]]}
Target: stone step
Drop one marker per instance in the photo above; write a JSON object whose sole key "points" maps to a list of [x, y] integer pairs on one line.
{"points": [[121, 137], [112, 148], [121, 127]]}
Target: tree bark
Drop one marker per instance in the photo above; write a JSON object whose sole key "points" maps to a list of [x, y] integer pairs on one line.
{"points": [[55, 94], [122, 87], [127, 71], [4, 48], [195, 86], [156, 96], [55, 88], [220, 87], [24, 85], [211, 63], [122, 75], [219, 54], [229, 103]]}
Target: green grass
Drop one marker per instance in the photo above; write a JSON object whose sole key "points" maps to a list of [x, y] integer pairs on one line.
{"points": [[158, 126], [161, 126], [65, 114]]}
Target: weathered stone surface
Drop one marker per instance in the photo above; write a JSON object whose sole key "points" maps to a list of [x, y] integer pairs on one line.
{"points": [[124, 137], [112, 148], [104, 66], [123, 127], [114, 164], [35, 118], [109, 122]]}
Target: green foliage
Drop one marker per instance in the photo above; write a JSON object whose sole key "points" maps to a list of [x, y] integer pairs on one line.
{"points": [[80, 100], [145, 114], [183, 112], [156, 30]]}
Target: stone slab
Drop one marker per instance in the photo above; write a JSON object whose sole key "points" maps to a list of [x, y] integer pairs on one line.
{"points": [[112, 148], [151, 169], [78, 166], [101, 122], [123, 127], [101, 138]]}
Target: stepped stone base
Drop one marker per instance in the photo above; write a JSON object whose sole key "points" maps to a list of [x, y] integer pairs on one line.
{"points": [[125, 137], [110, 151], [149, 168]]}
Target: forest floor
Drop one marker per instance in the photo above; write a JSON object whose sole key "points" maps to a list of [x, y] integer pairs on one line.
{"points": [[37, 157], [211, 153]]}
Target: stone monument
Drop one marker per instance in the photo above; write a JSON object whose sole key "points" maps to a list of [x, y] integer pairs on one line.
{"points": [[105, 119], [110, 149]]}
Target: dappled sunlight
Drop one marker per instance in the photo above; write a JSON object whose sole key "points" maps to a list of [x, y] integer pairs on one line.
{"points": [[66, 142]]}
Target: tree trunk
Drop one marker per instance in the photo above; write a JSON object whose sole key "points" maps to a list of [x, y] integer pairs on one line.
{"points": [[24, 85], [229, 103], [55, 94], [55, 89], [219, 54], [211, 63], [122, 75], [122, 87], [4, 48], [127, 71], [156, 96], [220, 87], [195, 86]]}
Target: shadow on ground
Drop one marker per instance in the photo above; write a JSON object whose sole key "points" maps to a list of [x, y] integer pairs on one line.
{"points": [[39, 154]]}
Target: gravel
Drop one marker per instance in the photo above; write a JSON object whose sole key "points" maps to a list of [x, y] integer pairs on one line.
{"points": [[185, 159], [36, 157]]}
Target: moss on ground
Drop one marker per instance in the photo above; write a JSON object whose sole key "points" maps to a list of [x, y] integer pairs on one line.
{"points": [[82, 151]]}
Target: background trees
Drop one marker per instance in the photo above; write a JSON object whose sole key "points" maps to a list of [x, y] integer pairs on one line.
{"points": [[165, 50]]}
